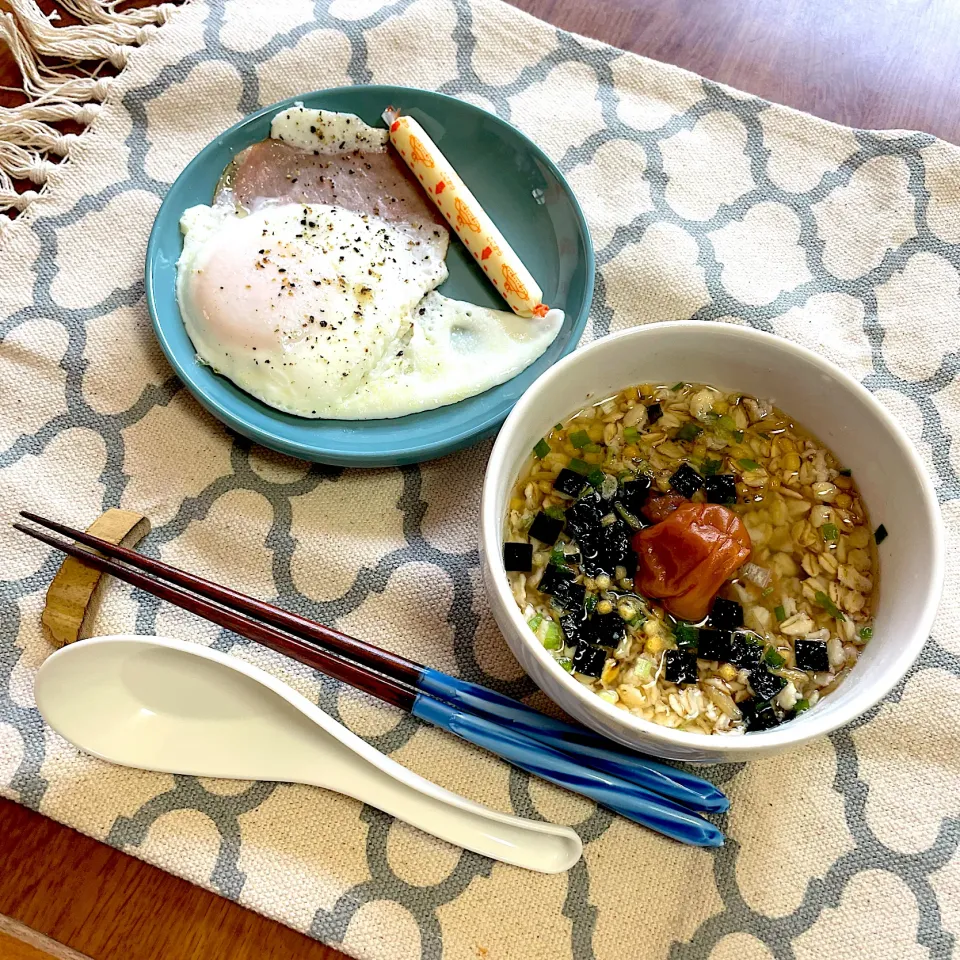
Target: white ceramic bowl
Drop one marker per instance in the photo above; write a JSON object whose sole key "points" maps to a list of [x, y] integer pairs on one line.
{"points": [[826, 401]]}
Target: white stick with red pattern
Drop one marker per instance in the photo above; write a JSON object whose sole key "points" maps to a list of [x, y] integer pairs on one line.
{"points": [[454, 200]]}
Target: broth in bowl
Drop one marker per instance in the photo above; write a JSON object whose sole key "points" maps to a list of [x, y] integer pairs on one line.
{"points": [[694, 557]]}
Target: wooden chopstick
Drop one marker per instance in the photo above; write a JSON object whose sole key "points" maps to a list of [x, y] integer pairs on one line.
{"points": [[383, 661], [389, 689]]}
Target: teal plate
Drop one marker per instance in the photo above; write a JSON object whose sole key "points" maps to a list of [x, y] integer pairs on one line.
{"points": [[517, 185]]}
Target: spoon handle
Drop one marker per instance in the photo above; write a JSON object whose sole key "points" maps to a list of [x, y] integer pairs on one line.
{"points": [[629, 800], [575, 741], [533, 845]]}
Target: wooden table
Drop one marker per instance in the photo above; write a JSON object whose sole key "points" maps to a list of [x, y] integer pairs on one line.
{"points": [[865, 63]]}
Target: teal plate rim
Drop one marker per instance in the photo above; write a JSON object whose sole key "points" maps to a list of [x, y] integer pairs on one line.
{"points": [[335, 442]]}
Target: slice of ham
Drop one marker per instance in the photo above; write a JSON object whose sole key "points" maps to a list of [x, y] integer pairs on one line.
{"points": [[376, 182]]}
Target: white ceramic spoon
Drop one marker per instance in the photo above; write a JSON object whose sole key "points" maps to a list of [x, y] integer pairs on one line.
{"points": [[176, 707]]}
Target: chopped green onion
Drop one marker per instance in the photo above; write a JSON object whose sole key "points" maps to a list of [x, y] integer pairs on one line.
{"points": [[767, 592], [766, 436], [748, 464], [727, 423], [534, 622], [737, 435], [827, 604], [595, 477], [631, 434], [592, 448], [773, 659], [801, 705], [553, 638], [643, 668], [558, 426], [686, 636], [710, 467], [711, 416], [829, 531], [627, 516], [557, 557], [555, 512], [579, 466], [880, 535], [580, 439], [678, 386], [590, 603], [846, 472], [866, 633], [566, 663], [541, 449], [780, 613], [689, 431]]}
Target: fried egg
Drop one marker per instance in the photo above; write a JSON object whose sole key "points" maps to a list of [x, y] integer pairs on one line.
{"points": [[321, 312], [327, 312]]}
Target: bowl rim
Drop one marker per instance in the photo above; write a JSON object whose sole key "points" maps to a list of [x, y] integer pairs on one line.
{"points": [[331, 453], [634, 728]]}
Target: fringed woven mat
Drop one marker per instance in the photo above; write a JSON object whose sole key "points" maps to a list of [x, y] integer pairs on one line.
{"points": [[703, 202]]}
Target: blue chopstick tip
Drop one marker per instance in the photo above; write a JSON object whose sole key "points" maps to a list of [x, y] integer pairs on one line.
{"points": [[719, 804]]}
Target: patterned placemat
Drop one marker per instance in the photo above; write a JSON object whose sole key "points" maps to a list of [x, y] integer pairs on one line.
{"points": [[704, 202]]}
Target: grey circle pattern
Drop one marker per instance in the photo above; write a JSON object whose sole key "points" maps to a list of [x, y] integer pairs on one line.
{"points": [[778, 933]]}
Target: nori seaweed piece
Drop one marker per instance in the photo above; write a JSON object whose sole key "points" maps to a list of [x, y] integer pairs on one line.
{"points": [[811, 655], [725, 614], [605, 629], [569, 482], [559, 583], [633, 493], [686, 481], [545, 529], [679, 667], [743, 653], [589, 660], [721, 488], [518, 557], [714, 645], [766, 685]]}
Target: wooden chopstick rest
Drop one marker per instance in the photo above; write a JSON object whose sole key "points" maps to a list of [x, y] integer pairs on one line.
{"points": [[74, 593]]}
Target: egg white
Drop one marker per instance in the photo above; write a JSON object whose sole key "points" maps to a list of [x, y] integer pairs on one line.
{"points": [[326, 131], [321, 312], [455, 350]]}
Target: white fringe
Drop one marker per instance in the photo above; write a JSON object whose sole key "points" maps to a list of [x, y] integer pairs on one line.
{"points": [[28, 138], [52, 111], [80, 42], [43, 83], [103, 11]]}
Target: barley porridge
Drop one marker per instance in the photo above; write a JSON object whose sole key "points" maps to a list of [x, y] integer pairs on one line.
{"points": [[694, 557]]}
